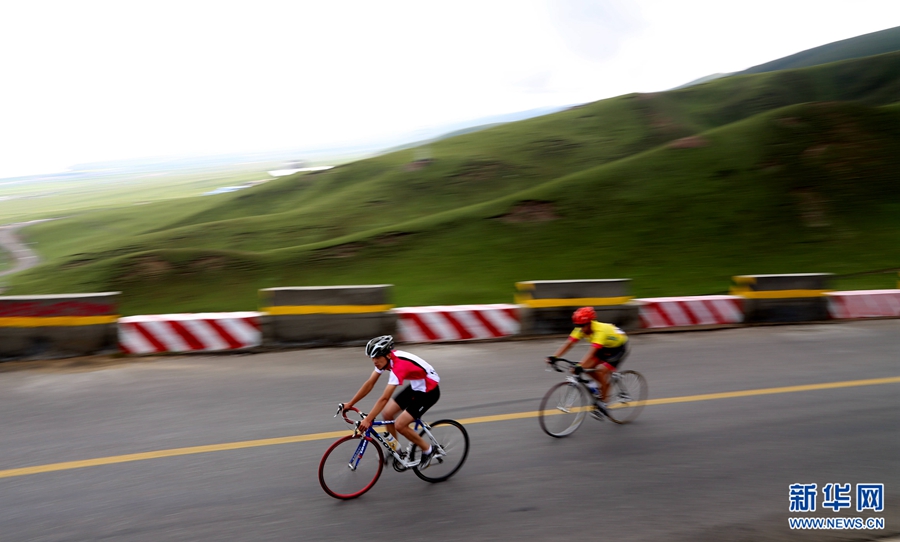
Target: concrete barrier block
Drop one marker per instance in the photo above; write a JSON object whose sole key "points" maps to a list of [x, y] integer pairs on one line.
{"points": [[794, 285], [573, 293], [326, 315], [54, 326], [546, 306], [325, 299], [797, 297]]}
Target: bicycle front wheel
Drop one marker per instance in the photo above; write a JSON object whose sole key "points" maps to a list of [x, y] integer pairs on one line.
{"points": [[564, 408], [347, 471], [627, 397], [453, 449]]}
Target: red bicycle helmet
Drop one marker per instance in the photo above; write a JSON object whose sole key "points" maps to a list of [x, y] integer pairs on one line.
{"points": [[583, 316]]}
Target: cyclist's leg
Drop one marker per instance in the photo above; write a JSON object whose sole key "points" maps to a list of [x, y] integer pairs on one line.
{"points": [[402, 425], [389, 414], [590, 364], [610, 359], [602, 376], [396, 405], [418, 405]]}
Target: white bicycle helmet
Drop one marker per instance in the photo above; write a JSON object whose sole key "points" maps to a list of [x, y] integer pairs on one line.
{"points": [[380, 346]]}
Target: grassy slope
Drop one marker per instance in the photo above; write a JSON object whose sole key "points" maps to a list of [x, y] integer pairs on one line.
{"points": [[45, 199], [810, 193], [875, 43]]}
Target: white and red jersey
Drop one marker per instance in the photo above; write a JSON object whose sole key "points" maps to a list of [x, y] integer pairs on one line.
{"points": [[406, 367]]}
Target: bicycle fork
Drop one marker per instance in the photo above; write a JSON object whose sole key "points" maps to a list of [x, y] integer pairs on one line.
{"points": [[357, 455]]}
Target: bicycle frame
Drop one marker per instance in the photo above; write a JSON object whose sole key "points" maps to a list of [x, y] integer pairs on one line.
{"points": [[372, 434], [613, 374]]}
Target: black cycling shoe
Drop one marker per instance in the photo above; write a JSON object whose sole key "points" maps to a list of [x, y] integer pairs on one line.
{"points": [[425, 459], [599, 412]]}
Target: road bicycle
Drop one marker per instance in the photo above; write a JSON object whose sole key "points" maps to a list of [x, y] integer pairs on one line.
{"points": [[346, 471], [565, 406]]}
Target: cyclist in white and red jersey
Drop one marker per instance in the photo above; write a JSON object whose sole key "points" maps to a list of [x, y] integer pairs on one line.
{"points": [[420, 394], [609, 347]]}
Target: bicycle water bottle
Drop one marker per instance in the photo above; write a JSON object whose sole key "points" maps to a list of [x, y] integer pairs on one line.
{"points": [[392, 442], [593, 386]]}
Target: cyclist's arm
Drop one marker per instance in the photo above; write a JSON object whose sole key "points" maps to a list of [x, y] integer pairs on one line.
{"points": [[565, 347], [562, 350], [364, 389], [378, 407]]}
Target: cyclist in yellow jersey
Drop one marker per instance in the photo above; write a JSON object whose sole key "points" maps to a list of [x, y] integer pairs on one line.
{"points": [[609, 346]]}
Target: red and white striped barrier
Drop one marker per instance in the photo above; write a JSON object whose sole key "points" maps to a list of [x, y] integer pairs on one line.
{"points": [[456, 322], [864, 304], [661, 312], [236, 330], [189, 332]]}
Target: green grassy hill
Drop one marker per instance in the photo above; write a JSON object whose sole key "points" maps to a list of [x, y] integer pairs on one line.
{"points": [[874, 43], [791, 171]]}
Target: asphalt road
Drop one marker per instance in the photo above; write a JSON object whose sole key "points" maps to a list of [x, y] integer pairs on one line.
{"points": [[691, 468]]}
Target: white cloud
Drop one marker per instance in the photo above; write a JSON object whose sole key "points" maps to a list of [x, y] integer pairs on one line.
{"points": [[96, 80], [595, 29]]}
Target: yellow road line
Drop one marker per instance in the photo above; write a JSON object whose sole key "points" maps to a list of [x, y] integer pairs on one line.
{"points": [[467, 421], [167, 453], [770, 391]]}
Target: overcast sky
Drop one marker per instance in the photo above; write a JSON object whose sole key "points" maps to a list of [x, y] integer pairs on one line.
{"points": [[86, 80]]}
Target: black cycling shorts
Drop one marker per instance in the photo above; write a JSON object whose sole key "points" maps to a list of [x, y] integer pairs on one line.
{"points": [[417, 403], [612, 357]]}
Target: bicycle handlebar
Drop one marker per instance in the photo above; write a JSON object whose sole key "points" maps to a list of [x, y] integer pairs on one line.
{"points": [[553, 360], [343, 413]]}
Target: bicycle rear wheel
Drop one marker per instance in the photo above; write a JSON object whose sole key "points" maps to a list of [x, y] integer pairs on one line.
{"points": [[453, 440], [564, 408], [347, 471], [627, 397]]}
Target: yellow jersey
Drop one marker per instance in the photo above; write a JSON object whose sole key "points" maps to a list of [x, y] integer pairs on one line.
{"points": [[605, 335]]}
